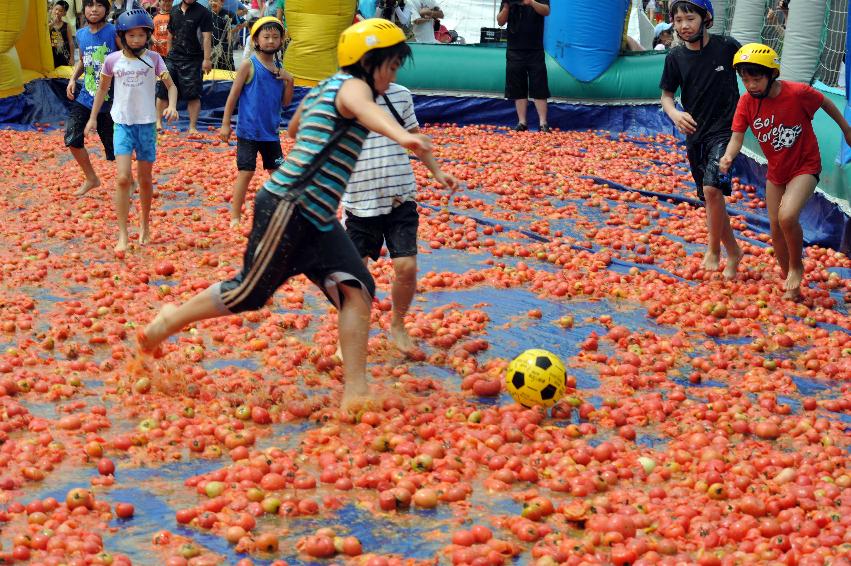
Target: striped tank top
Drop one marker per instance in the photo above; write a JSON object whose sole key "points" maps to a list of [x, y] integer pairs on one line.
{"points": [[319, 119]]}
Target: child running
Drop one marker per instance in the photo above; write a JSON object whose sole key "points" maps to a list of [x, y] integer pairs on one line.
{"points": [[780, 114], [379, 206], [701, 68], [134, 112], [259, 81], [295, 228], [94, 43]]}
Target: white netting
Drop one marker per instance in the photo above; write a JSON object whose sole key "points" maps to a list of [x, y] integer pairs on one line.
{"points": [[774, 24], [831, 68]]}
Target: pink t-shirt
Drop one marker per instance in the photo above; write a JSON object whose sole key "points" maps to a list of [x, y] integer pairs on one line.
{"points": [[134, 84]]}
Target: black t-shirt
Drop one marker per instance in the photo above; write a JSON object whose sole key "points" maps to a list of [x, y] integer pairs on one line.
{"points": [[222, 23], [525, 26], [186, 31], [710, 92]]}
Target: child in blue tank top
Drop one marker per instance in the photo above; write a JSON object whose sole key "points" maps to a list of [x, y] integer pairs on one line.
{"points": [[259, 82], [295, 229]]}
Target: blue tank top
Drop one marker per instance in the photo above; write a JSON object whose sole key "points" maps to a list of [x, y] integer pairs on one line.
{"points": [[319, 120], [260, 105]]}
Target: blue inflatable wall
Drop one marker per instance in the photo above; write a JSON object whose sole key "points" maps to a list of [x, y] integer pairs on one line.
{"points": [[585, 37]]}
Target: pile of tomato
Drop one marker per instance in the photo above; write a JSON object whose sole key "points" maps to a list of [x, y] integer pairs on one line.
{"points": [[716, 431]]}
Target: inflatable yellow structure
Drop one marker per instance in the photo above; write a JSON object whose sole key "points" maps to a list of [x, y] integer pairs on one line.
{"points": [[24, 44], [315, 26]]}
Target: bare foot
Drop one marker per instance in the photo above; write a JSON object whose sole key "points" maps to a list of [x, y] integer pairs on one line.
{"points": [[401, 339], [339, 353], [193, 131], [159, 127], [732, 264], [793, 284], [121, 246], [711, 261], [144, 235], [157, 330], [88, 185], [355, 396], [234, 223]]}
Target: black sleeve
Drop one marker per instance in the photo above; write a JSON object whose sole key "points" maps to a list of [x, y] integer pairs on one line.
{"points": [[734, 46], [206, 23], [671, 79], [170, 26]]}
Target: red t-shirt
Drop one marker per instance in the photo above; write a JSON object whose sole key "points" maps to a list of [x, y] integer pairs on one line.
{"points": [[784, 130], [160, 35]]}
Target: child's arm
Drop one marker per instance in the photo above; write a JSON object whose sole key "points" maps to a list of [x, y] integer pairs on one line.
{"points": [[70, 39], [734, 146], [448, 180], [288, 87], [170, 113], [235, 90], [103, 88], [682, 120], [355, 101], [75, 74], [832, 111]]}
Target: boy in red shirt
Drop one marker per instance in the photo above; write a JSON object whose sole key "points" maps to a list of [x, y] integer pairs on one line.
{"points": [[780, 114]]}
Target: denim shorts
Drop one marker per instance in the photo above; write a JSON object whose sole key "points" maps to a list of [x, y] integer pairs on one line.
{"points": [[139, 137]]}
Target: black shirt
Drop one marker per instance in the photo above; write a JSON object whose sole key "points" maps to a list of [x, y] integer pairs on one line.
{"points": [[186, 31], [222, 23], [525, 26], [710, 91]]}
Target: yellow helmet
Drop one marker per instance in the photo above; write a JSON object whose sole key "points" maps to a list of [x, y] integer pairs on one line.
{"points": [[758, 54], [365, 36], [263, 21]]}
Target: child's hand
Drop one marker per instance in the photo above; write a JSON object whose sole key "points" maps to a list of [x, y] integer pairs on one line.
{"points": [[685, 123], [418, 143], [91, 126], [447, 180], [724, 163], [71, 89], [284, 76], [170, 113], [224, 133]]}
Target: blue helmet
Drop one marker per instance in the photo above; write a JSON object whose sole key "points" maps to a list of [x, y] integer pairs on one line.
{"points": [[705, 5], [660, 28], [132, 19]]}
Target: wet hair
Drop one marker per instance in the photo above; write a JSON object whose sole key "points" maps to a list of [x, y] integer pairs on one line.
{"points": [[103, 3], [374, 59], [754, 70], [62, 3]]}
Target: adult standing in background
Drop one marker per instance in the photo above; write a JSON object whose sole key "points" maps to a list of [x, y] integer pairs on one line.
{"points": [[525, 63], [188, 59], [423, 14]]}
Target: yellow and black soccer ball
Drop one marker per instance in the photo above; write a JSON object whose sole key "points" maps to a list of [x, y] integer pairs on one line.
{"points": [[536, 378]]}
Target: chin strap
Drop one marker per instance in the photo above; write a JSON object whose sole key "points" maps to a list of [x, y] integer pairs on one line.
{"points": [[136, 52], [697, 36], [764, 94]]}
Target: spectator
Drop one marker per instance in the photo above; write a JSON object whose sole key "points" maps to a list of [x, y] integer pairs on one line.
{"points": [[663, 36], [397, 11], [118, 7], [423, 14], [187, 57], [223, 26], [161, 38], [60, 36], [525, 64]]}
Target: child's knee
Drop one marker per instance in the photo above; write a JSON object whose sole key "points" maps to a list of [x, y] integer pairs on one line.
{"points": [[124, 181], [788, 219]]}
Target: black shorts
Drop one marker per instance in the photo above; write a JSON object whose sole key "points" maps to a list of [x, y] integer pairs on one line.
{"points": [[284, 243], [246, 154], [703, 157], [526, 75], [398, 228], [187, 76], [75, 128]]}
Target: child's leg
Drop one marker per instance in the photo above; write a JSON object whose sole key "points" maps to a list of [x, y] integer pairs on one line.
{"points": [[81, 156], [403, 290], [266, 266], [798, 192], [123, 183], [243, 178], [75, 125], [773, 197], [716, 219], [146, 193], [354, 335]]}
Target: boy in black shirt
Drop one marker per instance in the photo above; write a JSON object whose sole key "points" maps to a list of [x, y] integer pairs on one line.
{"points": [[702, 68]]}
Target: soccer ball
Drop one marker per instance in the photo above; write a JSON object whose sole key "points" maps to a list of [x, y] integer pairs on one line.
{"points": [[536, 377]]}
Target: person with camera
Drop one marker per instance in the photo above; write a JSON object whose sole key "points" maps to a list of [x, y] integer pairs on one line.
{"points": [[423, 14], [525, 64], [397, 11]]}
